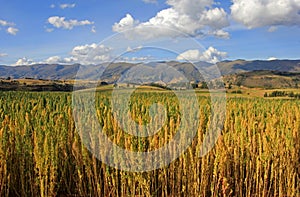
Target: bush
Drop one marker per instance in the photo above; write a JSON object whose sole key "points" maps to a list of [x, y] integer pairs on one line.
{"points": [[237, 92]]}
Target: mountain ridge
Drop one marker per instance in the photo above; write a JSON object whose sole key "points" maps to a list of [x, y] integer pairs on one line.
{"points": [[113, 72]]}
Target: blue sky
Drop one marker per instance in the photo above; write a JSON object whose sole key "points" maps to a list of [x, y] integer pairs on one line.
{"points": [[79, 31]]}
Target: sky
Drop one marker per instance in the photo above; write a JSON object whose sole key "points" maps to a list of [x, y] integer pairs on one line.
{"points": [[95, 31]]}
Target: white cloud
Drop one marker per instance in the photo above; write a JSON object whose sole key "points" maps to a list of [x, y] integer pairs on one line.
{"points": [[135, 59], [211, 55], [93, 30], [140, 58], [220, 34], [64, 6], [59, 60], [82, 54], [192, 17], [91, 54], [53, 60], [150, 1], [3, 55], [259, 13], [6, 23], [60, 22], [190, 7], [12, 31], [24, 62], [125, 23], [49, 30], [272, 28], [135, 49], [272, 58], [215, 18]]}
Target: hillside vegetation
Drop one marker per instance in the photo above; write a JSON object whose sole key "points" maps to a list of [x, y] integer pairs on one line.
{"points": [[264, 79]]}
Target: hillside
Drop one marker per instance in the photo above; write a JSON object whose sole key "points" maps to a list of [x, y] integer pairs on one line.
{"points": [[35, 85], [264, 79], [269, 74], [239, 66]]}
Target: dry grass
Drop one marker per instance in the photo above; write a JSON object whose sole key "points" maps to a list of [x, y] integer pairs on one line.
{"points": [[41, 153]]}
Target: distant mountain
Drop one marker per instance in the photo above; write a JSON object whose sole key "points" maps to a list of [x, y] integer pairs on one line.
{"points": [[264, 79], [165, 72], [39, 71], [239, 66]]}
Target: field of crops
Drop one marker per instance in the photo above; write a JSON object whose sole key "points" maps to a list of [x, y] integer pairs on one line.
{"points": [[41, 152]]}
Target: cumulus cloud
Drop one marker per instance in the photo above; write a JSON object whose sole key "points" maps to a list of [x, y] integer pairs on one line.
{"points": [[11, 29], [272, 58], [24, 62], [259, 13], [65, 5], [211, 55], [59, 60], [53, 60], [61, 22], [94, 54], [220, 34], [125, 23], [91, 54], [82, 54], [192, 17]]}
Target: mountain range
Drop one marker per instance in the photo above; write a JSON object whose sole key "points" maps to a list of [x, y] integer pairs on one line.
{"points": [[234, 72]]}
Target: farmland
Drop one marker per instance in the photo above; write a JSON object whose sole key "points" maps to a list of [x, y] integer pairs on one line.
{"points": [[41, 152]]}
